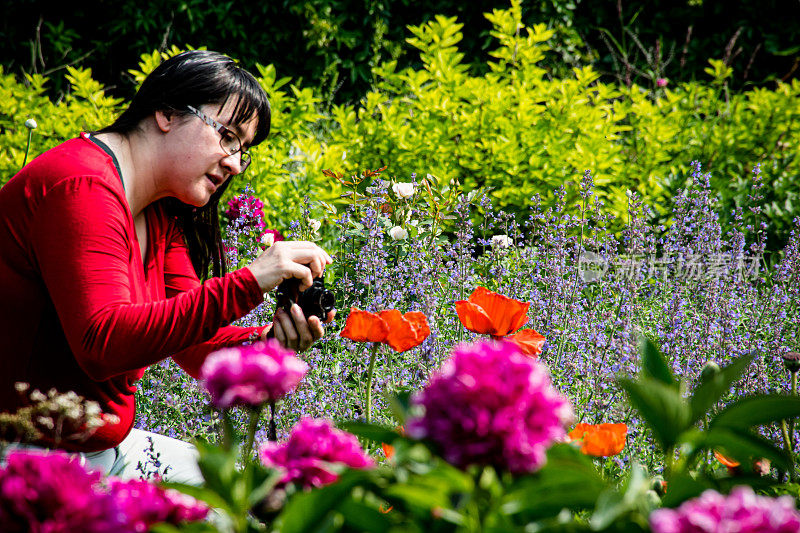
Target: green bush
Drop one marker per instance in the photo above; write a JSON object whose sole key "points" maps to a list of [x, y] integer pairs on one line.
{"points": [[513, 129]]}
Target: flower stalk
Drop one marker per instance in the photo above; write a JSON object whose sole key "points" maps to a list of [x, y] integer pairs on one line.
{"points": [[370, 374]]}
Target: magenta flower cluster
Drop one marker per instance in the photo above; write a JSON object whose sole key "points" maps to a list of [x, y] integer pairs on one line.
{"points": [[251, 375], [246, 210], [146, 504], [742, 512], [313, 453], [491, 405], [53, 493]]}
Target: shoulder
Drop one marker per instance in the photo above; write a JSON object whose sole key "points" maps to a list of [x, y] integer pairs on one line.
{"points": [[73, 166]]}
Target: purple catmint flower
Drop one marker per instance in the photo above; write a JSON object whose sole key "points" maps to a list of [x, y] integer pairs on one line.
{"points": [[146, 504], [491, 405], [742, 511], [313, 453], [251, 375], [52, 492]]}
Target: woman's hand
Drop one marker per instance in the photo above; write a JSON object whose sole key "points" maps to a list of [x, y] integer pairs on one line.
{"points": [[289, 259], [293, 331]]}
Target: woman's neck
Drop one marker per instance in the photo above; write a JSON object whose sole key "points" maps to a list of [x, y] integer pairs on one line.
{"points": [[137, 162]]}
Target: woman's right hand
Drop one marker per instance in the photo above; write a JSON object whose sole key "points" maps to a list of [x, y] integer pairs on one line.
{"points": [[289, 259]]}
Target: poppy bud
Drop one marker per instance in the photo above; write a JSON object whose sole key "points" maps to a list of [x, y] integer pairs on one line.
{"points": [[710, 371], [791, 360]]}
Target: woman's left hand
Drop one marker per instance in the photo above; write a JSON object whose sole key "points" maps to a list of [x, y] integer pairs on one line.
{"points": [[293, 331]]}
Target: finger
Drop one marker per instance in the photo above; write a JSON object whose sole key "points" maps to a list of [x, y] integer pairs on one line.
{"points": [[289, 331], [265, 332], [304, 336], [315, 325], [316, 267], [330, 317], [280, 336]]}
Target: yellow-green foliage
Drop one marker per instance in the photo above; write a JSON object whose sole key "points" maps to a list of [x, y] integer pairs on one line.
{"points": [[519, 131], [514, 128]]}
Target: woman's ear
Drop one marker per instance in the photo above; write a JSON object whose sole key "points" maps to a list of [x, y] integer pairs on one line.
{"points": [[165, 120]]}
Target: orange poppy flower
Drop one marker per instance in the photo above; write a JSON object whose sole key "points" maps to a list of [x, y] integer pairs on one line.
{"points": [[388, 450], [529, 341], [400, 331], [490, 313], [727, 461], [600, 440]]}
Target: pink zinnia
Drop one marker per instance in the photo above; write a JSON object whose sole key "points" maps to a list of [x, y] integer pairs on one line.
{"points": [[491, 405], [311, 455], [251, 375], [741, 512], [146, 504]]}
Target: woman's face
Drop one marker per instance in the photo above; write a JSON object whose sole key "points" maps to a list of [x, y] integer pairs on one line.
{"points": [[196, 163]]}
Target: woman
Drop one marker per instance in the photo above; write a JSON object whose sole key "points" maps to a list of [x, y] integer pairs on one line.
{"points": [[104, 240]]}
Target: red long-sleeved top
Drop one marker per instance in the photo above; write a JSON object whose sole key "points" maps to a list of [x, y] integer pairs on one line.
{"points": [[80, 309]]}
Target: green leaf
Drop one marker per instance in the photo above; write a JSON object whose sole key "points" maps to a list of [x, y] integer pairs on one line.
{"points": [[654, 365], [757, 411], [744, 446], [682, 487], [372, 432], [661, 406], [306, 510], [708, 393], [362, 517], [569, 480]]}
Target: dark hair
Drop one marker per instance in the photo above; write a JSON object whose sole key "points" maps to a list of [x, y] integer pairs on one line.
{"points": [[196, 78]]}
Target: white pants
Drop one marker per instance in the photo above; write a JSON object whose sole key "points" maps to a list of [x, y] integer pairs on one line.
{"points": [[179, 458]]}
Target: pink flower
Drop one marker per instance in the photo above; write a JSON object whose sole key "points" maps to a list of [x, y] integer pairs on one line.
{"points": [[245, 210], [662, 82], [52, 492], [251, 375], [313, 453], [742, 511], [491, 405], [146, 504]]}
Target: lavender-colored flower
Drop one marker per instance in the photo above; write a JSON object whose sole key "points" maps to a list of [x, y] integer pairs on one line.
{"points": [[742, 511], [491, 405], [251, 375], [313, 453], [146, 504], [52, 492]]}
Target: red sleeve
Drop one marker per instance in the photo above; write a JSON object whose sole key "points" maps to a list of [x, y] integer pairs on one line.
{"points": [[81, 243], [179, 276]]}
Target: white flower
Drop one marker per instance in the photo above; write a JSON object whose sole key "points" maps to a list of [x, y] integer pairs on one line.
{"points": [[501, 241], [403, 190], [268, 239], [314, 224], [31, 124], [398, 233]]}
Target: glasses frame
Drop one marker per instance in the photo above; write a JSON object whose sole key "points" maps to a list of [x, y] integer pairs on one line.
{"points": [[244, 160]]}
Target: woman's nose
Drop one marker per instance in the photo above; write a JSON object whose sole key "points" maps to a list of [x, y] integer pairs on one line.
{"points": [[233, 163]]}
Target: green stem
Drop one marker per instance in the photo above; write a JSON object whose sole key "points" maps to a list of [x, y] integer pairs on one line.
{"points": [[255, 414], [27, 148], [227, 430], [787, 441], [370, 373], [791, 420]]}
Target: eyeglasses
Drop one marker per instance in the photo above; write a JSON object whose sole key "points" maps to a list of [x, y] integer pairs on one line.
{"points": [[229, 141]]}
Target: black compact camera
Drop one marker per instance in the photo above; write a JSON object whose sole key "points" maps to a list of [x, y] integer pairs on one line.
{"points": [[314, 301]]}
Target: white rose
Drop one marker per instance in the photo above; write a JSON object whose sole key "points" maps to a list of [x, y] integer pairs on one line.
{"points": [[31, 124], [403, 190], [314, 224], [268, 239], [398, 233], [501, 241]]}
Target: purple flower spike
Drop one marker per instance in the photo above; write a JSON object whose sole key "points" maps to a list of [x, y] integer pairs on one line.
{"points": [[491, 405], [742, 511], [147, 504], [312, 452], [251, 375]]}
